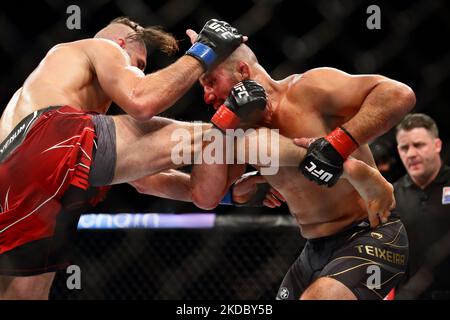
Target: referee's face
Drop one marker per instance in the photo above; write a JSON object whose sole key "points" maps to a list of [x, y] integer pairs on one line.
{"points": [[420, 153]]}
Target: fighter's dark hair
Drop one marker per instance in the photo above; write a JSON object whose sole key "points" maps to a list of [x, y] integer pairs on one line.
{"points": [[153, 36]]}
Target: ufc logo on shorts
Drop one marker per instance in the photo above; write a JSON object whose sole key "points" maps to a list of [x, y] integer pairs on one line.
{"points": [[242, 92], [321, 174], [217, 27]]}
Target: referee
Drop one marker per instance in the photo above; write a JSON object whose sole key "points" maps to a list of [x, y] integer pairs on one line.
{"points": [[423, 204]]}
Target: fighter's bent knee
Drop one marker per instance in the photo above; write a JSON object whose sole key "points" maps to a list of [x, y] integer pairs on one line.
{"points": [[204, 201]]}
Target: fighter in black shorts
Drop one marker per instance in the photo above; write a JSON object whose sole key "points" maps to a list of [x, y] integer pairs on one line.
{"points": [[367, 261], [336, 114]]}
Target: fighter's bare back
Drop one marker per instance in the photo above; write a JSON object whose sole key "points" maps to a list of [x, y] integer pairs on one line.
{"points": [[64, 77]]}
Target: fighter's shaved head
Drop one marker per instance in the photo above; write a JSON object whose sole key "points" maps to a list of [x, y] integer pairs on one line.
{"points": [[242, 53], [114, 31]]}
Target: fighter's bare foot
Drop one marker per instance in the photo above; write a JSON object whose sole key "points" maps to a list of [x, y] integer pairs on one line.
{"points": [[374, 189]]}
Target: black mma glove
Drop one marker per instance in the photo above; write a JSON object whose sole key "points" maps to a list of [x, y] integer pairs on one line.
{"points": [[323, 163], [215, 43], [243, 107]]}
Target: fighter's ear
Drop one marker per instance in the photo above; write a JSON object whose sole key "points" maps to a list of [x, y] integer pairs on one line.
{"points": [[121, 42], [244, 70]]}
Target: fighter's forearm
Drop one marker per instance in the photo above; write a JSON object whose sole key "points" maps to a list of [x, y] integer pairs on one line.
{"points": [[376, 192], [262, 148], [267, 148], [170, 184], [219, 159], [205, 186], [386, 104], [158, 91]]}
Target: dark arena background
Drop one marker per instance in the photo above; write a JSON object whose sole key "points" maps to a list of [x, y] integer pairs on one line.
{"points": [[230, 253]]}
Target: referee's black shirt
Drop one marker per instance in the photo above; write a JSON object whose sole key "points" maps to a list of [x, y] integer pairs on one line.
{"points": [[426, 216]]}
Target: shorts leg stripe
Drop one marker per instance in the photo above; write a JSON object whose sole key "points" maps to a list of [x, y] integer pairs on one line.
{"points": [[353, 235], [6, 200], [83, 165], [392, 277], [396, 246], [35, 113], [354, 267], [38, 207], [85, 153], [353, 257], [59, 143], [396, 236]]}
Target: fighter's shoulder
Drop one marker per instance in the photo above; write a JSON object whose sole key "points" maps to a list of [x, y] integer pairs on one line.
{"points": [[100, 42], [326, 81], [312, 84], [85, 45], [96, 47], [64, 52], [318, 77]]}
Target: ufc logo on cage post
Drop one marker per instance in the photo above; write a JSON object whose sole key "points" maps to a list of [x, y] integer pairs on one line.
{"points": [[74, 280], [321, 174]]}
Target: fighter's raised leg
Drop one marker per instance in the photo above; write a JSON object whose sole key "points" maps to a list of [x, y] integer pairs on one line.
{"points": [[145, 147]]}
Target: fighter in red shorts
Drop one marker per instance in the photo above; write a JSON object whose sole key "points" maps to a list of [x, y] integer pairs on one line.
{"points": [[58, 147]]}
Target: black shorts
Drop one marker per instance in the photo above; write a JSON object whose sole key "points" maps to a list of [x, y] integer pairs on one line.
{"points": [[370, 262]]}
